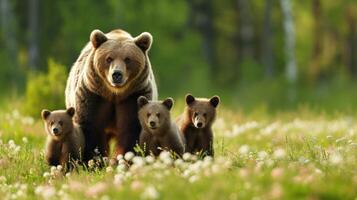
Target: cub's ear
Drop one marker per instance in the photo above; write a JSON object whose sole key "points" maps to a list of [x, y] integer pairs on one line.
{"points": [[169, 102], [189, 99], [214, 101], [97, 38], [144, 41], [45, 113], [142, 101], [70, 111]]}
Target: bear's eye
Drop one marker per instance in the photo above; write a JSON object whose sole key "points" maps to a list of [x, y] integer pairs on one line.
{"points": [[148, 115], [52, 122], [127, 60], [60, 123], [158, 114], [195, 114], [204, 114], [109, 59]]}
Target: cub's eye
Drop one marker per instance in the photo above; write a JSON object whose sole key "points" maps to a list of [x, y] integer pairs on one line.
{"points": [[52, 122], [60, 123], [148, 115], [195, 114], [109, 59], [158, 114], [205, 114], [127, 60]]}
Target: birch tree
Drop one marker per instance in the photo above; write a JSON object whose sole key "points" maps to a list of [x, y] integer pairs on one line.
{"points": [[289, 41]]}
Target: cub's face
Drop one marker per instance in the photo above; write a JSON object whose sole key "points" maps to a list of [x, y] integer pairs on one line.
{"points": [[202, 112], [58, 123], [154, 115], [119, 58]]}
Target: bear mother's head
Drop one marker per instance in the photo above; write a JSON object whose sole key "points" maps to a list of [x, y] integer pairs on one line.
{"points": [[120, 59]]}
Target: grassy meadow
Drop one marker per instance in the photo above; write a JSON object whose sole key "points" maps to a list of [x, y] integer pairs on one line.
{"points": [[296, 155]]}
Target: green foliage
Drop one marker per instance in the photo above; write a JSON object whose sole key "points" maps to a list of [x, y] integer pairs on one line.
{"points": [[46, 90], [178, 54]]}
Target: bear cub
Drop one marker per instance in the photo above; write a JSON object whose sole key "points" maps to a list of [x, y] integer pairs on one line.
{"points": [[195, 124], [158, 131], [65, 140]]}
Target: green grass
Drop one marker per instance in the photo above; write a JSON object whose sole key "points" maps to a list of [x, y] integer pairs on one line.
{"points": [[295, 155]]}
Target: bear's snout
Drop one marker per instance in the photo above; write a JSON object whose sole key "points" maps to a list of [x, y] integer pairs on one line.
{"points": [[117, 77], [152, 124], [55, 131], [199, 122], [199, 125]]}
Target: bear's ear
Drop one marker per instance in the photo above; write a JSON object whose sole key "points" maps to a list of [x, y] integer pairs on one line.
{"points": [[169, 102], [189, 99], [97, 38], [144, 41], [45, 113], [214, 101], [70, 111], [142, 101]]}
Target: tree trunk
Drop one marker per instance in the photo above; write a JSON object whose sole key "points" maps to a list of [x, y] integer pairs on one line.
{"points": [[33, 33], [317, 46], [8, 25], [351, 44], [204, 23], [245, 29], [267, 47], [289, 36]]}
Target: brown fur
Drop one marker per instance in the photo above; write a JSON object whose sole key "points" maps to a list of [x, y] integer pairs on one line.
{"points": [[65, 140], [195, 124], [106, 109], [158, 131]]}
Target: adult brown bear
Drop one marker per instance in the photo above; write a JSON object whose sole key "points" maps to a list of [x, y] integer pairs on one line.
{"points": [[111, 72]]}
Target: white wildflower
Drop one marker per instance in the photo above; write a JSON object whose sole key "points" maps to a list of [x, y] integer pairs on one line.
{"points": [[335, 158], [46, 174], [45, 191], [119, 179], [244, 149], [165, 157], [186, 156], [179, 163], [11, 144], [109, 169], [120, 156], [193, 179], [150, 193], [279, 153], [150, 159], [138, 161], [59, 167], [2, 179], [122, 167], [96, 151], [129, 155], [25, 140], [262, 155]]}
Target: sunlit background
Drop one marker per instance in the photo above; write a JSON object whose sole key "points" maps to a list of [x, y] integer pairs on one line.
{"points": [[269, 55]]}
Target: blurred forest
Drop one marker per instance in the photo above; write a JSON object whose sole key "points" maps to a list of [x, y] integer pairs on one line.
{"points": [[276, 54]]}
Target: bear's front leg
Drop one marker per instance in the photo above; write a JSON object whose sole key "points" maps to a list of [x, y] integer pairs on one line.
{"points": [[53, 152], [93, 113], [128, 126], [207, 144]]}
